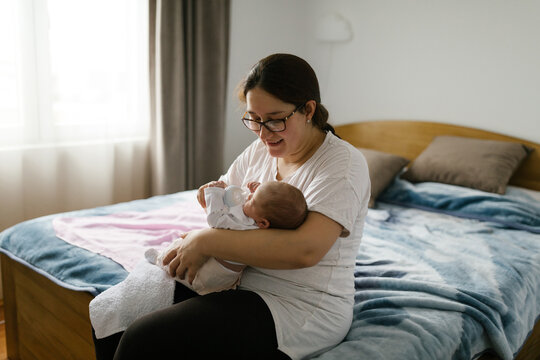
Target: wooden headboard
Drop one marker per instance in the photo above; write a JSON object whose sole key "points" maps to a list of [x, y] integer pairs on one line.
{"points": [[410, 138]]}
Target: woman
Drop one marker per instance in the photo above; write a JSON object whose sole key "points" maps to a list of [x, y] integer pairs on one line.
{"points": [[296, 296]]}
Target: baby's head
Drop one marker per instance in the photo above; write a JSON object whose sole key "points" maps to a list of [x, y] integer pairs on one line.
{"points": [[276, 204]]}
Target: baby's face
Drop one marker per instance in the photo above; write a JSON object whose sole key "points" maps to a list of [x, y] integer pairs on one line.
{"points": [[252, 207]]}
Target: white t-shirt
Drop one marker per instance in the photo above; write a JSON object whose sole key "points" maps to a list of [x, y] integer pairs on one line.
{"points": [[312, 307]]}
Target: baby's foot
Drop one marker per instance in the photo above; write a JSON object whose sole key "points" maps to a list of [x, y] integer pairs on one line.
{"points": [[151, 256]]}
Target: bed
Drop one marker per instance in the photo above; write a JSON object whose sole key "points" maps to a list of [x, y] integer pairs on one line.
{"points": [[444, 271]]}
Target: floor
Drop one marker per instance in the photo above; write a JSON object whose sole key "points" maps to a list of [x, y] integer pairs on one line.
{"points": [[3, 351]]}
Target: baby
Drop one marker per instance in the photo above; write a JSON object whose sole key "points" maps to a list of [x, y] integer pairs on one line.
{"points": [[148, 288], [270, 204]]}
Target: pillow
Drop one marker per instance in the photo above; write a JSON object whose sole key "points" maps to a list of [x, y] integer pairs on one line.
{"points": [[485, 165], [383, 167]]}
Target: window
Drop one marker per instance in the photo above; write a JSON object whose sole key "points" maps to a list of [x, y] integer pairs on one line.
{"points": [[9, 109], [73, 71]]}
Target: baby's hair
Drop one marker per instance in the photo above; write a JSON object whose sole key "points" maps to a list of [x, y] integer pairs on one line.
{"points": [[284, 206]]}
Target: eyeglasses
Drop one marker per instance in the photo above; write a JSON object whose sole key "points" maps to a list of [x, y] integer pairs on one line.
{"points": [[273, 125]]}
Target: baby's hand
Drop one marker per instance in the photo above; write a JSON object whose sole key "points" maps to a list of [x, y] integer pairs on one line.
{"points": [[253, 185], [220, 184], [200, 192]]}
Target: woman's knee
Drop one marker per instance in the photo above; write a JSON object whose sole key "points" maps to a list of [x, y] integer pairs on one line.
{"points": [[133, 343], [145, 338]]}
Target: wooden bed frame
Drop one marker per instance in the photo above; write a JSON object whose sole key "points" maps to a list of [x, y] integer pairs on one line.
{"points": [[46, 321], [410, 138]]}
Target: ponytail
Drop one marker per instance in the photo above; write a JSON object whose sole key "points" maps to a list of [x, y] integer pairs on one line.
{"points": [[320, 119]]}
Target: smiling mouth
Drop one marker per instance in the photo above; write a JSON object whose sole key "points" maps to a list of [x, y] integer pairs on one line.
{"points": [[273, 143]]}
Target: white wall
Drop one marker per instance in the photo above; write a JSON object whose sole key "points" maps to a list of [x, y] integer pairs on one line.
{"points": [[258, 28], [467, 62]]}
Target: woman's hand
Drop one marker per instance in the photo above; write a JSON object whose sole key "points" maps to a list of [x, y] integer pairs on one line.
{"points": [[186, 259], [200, 192]]}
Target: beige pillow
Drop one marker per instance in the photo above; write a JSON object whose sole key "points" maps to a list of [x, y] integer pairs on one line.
{"points": [[485, 165], [383, 167]]}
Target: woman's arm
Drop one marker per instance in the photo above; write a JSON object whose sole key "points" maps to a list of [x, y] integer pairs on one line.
{"points": [[270, 248]]}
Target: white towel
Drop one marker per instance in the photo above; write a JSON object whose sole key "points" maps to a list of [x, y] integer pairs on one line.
{"points": [[146, 289]]}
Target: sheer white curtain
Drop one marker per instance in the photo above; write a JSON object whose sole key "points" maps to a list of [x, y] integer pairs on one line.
{"points": [[74, 118]]}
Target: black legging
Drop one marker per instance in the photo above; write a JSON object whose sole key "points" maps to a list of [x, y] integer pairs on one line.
{"points": [[234, 324]]}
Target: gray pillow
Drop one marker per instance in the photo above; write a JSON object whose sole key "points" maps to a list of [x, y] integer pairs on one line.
{"points": [[383, 167], [485, 165]]}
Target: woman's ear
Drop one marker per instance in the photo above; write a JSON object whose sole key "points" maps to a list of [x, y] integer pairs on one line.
{"points": [[263, 223], [309, 109]]}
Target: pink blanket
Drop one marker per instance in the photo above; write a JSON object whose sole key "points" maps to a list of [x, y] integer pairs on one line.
{"points": [[124, 237]]}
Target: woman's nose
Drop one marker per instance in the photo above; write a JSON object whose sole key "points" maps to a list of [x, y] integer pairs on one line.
{"points": [[264, 132]]}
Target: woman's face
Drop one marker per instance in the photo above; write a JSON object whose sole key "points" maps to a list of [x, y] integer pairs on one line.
{"points": [[293, 140]]}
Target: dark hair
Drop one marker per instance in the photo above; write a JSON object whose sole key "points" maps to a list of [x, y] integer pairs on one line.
{"points": [[290, 79], [283, 205]]}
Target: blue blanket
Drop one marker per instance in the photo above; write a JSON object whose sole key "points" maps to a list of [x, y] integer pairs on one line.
{"points": [[515, 209], [428, 285], [433, 286], [35, 244]]}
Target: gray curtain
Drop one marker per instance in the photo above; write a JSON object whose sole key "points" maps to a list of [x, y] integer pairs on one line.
{"points": [[189, 42]]}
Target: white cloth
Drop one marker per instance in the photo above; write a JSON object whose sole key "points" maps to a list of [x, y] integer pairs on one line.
{"points": [[149, 288], [221, 216], [213, 276], [146, 289], [312, 307]]}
